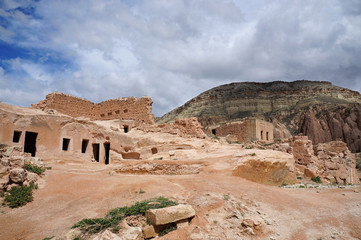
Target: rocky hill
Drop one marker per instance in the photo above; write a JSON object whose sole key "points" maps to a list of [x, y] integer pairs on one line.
{"points": [[320, 110]]}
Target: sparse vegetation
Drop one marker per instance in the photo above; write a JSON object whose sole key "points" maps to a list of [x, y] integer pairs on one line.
{"points": [[34, 168], [299, 177], [19, 196], [141, 191], [226, 196], [253, 154], [49, 238], [115, 216], [316, 179]]}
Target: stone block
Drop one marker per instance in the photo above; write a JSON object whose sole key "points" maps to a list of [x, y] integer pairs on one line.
{"points": [[170, 214], [148, 232]]}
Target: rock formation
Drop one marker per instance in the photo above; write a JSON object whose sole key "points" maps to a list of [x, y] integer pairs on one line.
{"points": [[319, 110]]}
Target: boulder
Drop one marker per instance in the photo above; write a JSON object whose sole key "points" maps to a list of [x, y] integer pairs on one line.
{"points": [[107, 235], [17, 175], [170, 214], [17, 162], [131, 233], [148, 232]]}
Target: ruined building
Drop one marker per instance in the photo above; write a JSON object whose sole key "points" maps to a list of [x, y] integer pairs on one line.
{"points": [[69, 132], [137, 109], [243, 131]]}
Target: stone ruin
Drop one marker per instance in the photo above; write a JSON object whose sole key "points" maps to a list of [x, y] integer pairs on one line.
{"points": [[243, 131], [131, 108]]}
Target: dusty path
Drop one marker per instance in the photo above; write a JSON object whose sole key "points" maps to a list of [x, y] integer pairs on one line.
{"points": [[74, 192]]}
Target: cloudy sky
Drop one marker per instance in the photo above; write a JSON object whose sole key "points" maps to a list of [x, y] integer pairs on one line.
{"points": [[172, 50]]}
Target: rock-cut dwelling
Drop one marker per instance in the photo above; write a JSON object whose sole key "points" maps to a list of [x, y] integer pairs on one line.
{"points": [[65, 127]]}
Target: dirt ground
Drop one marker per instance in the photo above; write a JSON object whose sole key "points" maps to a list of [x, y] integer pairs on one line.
{"points": [[72, 191]]}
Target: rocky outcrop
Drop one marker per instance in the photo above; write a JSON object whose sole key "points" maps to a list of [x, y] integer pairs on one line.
{"points": [[12, 168], [319, 110], [266, 166], [332, 162]]}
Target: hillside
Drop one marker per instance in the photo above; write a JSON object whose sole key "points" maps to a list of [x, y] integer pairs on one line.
{"points": [[320, 110]]}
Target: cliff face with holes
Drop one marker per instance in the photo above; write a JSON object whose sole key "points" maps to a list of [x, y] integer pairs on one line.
{"points": [[319, 110], [138, 109]]}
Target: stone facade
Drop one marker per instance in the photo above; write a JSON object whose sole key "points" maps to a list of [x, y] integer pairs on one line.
{"points": [[138, 109], [243, 131]]}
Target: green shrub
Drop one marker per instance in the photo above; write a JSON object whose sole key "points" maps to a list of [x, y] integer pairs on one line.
{"points": [[19, 196], [49, 238], [115, 216], [299, 177], [34, 169], [316, 179]]}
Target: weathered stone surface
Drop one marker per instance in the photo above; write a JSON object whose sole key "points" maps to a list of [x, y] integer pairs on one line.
{"points": [[148, 231], [17, 175], [132, 233], [17, 162], [119, 108], [107, 235], [266, 166], [72, 234], [170, 214]]}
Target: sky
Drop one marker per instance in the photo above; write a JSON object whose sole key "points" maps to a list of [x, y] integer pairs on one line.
{"points": [[172, 50]]}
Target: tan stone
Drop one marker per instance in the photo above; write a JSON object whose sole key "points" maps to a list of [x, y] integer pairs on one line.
{"points": [[148, 232], [17, 175], [107, 235], [310, 173], [170, 214]]}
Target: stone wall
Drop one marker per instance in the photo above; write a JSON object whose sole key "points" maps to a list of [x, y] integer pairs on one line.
{"points": [[139, 109], [243, 131]]}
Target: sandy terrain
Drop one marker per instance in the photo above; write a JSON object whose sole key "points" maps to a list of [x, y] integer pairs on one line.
{"points": [[72, 191]]}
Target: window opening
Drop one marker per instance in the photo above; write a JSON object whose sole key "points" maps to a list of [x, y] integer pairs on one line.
{"points": [[16, 136], [66, 142], [84, 145]]}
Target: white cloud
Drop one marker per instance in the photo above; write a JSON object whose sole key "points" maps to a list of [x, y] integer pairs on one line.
{"points": [[174, 50]]}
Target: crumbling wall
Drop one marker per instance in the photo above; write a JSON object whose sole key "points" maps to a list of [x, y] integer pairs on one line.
{"points": [[139, 109], [125, 108], [66, 104]]}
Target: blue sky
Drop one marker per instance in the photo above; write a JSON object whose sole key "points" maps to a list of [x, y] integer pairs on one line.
{"points": [[172, 50]]}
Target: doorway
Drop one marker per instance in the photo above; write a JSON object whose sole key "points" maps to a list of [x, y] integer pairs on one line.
{"points": [[107, 150], [84, 145], [30, 143], [96, 151]]}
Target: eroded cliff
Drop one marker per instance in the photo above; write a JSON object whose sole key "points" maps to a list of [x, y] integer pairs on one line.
{"points": [[320, 110]]}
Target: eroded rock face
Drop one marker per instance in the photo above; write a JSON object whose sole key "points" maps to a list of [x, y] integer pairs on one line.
{"points": [[266, 166], [319, 110], [333, 162]]}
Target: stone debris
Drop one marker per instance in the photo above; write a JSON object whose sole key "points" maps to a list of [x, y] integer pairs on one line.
{"points": [[12, 168], [171, 214]]}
